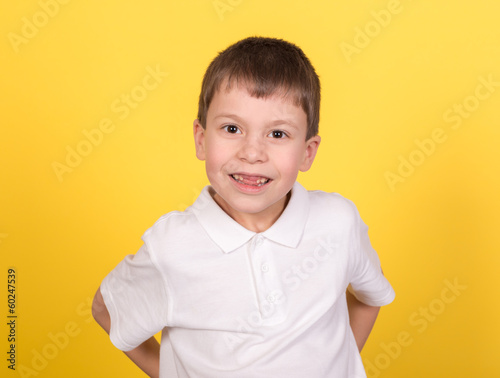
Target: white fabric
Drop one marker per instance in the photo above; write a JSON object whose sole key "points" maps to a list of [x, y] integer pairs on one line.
{"points": [[241, 304]]}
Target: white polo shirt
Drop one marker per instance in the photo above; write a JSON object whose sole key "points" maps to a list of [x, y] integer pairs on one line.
{"points": [[241, 304]]}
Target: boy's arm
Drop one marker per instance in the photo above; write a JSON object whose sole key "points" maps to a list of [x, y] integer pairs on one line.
{"points": [[146, 356], [362, 318]]}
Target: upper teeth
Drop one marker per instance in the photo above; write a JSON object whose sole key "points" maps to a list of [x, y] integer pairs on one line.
{"points": [[258, 182], [238, 177]]}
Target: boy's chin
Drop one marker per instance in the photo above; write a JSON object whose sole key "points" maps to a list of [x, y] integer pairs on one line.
{"points": [[253, 206]]}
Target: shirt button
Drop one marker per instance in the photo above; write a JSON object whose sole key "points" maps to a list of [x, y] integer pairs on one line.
{"points": [[271, 298], [258, 241], [265, 267]]}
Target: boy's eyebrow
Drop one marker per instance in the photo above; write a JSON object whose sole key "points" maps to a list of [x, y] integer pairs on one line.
{"points": [[229, 115], [276, 122]]}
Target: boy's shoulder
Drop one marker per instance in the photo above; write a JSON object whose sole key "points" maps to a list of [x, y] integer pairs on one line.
{"points": [[172, 223], [332, 203], [183, 229], [176, 221]]}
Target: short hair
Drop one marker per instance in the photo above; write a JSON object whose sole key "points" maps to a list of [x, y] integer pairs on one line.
{"points": [[266, 66]]}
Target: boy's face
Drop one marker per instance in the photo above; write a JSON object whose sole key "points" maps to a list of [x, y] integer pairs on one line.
{"points": [[253, 150]]}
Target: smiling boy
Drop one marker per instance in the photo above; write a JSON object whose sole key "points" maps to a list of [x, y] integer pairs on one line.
{"points": [[251, 280], [253, 150]]}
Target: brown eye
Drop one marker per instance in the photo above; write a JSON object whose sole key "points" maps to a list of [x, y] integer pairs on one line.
{"points": [[277, 134], [232, 129]]}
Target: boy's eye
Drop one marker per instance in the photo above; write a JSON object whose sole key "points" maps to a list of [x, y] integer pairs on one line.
{"points": [[277, 134], [232, 129]]}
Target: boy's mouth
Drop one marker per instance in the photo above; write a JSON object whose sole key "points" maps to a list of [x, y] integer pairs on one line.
{"points": [[250, 180]]}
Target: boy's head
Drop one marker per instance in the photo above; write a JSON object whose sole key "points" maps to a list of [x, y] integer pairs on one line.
{"points": [[266, 67], [257, 127]]}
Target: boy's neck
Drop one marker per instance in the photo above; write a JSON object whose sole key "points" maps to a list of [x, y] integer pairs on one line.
{"points": [[256, 222]]}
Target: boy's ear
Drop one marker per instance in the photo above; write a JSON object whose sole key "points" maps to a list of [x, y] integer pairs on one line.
{"points": [[312, 145], [199, 139]]}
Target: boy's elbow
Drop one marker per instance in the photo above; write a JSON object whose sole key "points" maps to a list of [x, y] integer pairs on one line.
{"points": [[100, 312]]}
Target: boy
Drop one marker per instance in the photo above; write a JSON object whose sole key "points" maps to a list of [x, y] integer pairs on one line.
{"points": [[250, 281]]}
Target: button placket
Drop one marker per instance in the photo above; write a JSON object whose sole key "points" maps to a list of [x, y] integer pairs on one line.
{"points": [[271, 298], [258, 240], [259, 266], [266, 280]]}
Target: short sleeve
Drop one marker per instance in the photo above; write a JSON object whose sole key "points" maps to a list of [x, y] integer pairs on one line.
{"points": [[367, 284], [135, 295]]}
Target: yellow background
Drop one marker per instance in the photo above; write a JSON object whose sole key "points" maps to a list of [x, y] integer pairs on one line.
{"points": [[438, 225]]}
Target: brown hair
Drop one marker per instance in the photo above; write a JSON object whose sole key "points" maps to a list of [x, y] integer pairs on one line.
{"points": [[266, 66]]}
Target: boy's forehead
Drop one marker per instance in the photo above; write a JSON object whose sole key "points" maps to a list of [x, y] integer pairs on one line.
{"points": [[237, 92], [239, 98], [252, 88]]}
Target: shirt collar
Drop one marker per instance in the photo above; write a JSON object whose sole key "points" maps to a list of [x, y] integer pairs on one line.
{"points": [[230, 235]]}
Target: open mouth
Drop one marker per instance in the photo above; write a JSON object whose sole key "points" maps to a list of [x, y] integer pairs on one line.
{"points": [[250, 180]]}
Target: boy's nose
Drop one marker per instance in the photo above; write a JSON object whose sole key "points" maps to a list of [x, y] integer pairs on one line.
{"points": [[252, 151]]}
